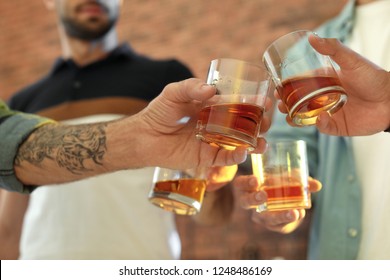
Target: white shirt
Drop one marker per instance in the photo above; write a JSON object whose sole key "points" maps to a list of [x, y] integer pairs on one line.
{"points": [[104, 217], [371, 38]]}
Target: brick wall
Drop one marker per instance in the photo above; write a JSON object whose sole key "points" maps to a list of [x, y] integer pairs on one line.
{"points": [[194, 32]]}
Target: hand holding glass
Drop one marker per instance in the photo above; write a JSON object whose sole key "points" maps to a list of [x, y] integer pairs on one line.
{"points": [[233, 116], [179, 191], [283, 174], [306, 80]]}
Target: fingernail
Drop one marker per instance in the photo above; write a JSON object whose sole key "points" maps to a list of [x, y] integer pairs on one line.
{"points": [[266, 146], [253, 182], [259, 197], [206, 86], [239, 156], [319, 39]]}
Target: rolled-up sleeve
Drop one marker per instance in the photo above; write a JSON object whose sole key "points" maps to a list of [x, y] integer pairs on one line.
{"points": [[15, 127]]}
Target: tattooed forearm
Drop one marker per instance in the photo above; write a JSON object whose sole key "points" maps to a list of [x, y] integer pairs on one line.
{"points": [[71, 147]]}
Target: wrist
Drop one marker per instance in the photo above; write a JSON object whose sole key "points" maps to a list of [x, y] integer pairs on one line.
{"points": [[125, 144]]}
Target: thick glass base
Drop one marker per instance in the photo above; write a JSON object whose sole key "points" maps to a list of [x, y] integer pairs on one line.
{"points": [[306, 110], [176, 203], [284, 205]]}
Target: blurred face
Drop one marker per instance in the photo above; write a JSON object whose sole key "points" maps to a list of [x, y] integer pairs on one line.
{"points": [[88, 19]]}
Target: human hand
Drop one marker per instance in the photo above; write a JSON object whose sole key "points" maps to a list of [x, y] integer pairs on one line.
{"points": [[170, 121], [219, 176], [284, 221], [217, 206], [367, 110]]}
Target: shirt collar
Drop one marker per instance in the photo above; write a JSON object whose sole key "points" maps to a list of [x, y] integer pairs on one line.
{"points": [[122, 51], [346, 19], [341, 26]]}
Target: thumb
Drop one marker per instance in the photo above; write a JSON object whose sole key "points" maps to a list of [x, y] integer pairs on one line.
{"points": [[188, 90], [346, 58]]}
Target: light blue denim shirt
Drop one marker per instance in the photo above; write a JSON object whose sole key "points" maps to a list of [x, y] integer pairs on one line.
{"points": [[336, 224], [14, 129]]}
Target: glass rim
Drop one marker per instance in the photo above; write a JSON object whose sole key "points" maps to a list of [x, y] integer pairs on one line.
{"points": [[303, 31], [282, 141], [286, 141], [258, 65]]}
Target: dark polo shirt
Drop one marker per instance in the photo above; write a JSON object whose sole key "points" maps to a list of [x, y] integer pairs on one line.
{"points": [[122, 83]]}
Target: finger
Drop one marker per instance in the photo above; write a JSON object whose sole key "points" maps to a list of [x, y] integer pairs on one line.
{"points": [[282, 108], [245, 183], [247, 195], [265, 124], [289, 227], [228, 157], [188, 90], [290, 121], [274, 220], [261, 146], [314, 185], [346, 58], [325, 124], [252, 199], [219, 176]]}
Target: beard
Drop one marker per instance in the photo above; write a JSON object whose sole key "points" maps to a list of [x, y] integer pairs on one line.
{"points": [[84, 32]]}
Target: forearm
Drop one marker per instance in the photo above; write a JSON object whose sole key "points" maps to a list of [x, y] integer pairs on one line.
{"points": [[9, 249], [12, 210], [55, 154], [160, 135]]}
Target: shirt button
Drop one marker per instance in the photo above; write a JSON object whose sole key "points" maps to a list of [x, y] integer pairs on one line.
{"points": [[351, 178], [352, 232]]}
